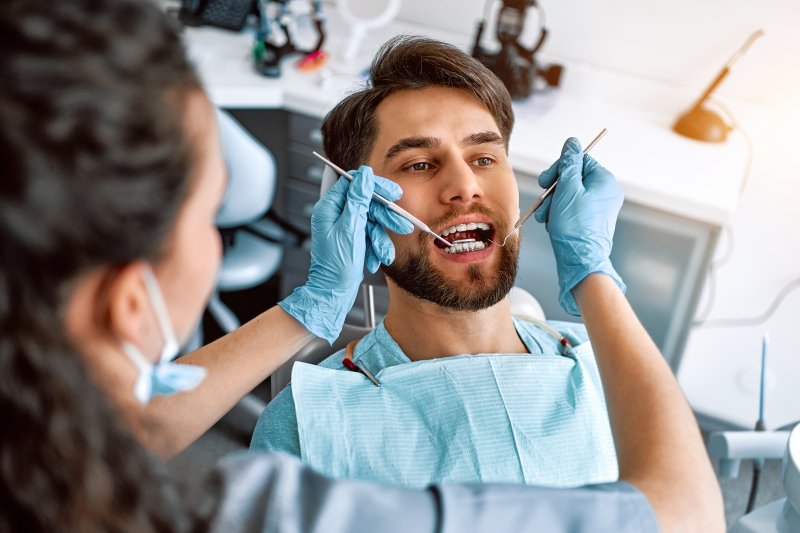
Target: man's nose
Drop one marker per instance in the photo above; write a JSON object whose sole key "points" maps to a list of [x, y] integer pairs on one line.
{"points": [[460, 185]]}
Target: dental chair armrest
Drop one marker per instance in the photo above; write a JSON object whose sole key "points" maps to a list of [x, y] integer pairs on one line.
{"points": [[730, 447]]}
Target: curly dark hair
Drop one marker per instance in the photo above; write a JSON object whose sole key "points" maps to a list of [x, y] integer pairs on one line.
{"points": [[96, 166], [409, 62]]}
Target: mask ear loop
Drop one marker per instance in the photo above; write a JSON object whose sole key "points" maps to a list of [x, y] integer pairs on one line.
{"points": [[143, 386], [171, 347]]}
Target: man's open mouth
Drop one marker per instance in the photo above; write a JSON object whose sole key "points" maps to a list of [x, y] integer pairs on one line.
{"points": [[467, 237]]}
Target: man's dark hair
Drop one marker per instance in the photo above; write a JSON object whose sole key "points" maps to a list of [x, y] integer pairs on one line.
{"points": [[96, 165], [408, 63]]}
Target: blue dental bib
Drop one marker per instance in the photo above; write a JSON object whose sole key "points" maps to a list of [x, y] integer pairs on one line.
{"points": [[518, 418]]}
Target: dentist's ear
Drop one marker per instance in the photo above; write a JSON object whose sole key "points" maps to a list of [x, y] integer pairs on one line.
{"points": [[129, 313]]}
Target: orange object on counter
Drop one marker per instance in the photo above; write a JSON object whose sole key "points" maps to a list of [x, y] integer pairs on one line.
{"points": [[313, 61]]}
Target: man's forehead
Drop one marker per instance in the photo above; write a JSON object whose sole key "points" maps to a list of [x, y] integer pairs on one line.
{"points": [[425, 118], [412, 107]]}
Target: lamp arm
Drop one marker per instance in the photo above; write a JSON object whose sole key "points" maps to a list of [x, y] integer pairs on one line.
{"points": [[714, 84], [727, 68]]}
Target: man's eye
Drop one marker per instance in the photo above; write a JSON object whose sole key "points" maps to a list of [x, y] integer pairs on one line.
{"points": [[418, 167], [484, 161]]}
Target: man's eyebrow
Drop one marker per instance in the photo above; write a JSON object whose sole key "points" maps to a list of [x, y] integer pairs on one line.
{"points": [[408, 143], [483, 137]]}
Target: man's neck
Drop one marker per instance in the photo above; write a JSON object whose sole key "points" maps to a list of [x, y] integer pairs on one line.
{"points": [[424, 330]]}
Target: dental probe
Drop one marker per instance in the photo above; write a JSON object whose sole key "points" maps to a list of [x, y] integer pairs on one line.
{"points": [[388, 203], [547, 192]]}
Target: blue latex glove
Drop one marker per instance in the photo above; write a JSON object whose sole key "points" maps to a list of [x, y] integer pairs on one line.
{"points": [[339, 244], [379, 247], [580, 217]]}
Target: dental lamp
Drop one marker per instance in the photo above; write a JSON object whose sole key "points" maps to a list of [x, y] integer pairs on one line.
{"points": [[702, 123]]}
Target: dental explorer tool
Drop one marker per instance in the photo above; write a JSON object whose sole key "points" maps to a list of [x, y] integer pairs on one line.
{"points": [[388, 203], [542, 197]]}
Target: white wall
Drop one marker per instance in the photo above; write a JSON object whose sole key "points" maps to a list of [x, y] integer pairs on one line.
{"points": [[680, 41]]}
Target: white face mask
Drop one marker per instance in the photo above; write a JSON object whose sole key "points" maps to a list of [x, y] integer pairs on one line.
{"points": [[165, 377]]}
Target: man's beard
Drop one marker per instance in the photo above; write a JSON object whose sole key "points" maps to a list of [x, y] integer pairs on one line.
{"points": [[415, 273]]}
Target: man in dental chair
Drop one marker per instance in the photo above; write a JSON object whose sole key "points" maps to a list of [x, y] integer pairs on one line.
{"points": [[451, 387]]}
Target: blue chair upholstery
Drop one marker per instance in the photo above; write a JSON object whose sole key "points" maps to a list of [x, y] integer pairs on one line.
{"points": [[248, 259]]}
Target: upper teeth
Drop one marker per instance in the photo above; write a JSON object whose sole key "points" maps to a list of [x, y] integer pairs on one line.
{"points": [[465, 227]]}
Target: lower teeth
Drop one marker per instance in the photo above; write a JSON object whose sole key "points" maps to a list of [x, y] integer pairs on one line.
{"points": [[465, 247]]}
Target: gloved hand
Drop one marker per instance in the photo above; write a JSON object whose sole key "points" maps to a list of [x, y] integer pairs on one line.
{"points": [[580, 217], [379, 247], [339, 245]]}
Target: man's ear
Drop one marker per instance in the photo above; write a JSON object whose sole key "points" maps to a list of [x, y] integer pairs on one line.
{"points": [[129, 314]]}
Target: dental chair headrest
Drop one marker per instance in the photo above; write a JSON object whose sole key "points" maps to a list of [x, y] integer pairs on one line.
{"points": [[251, 175]]}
